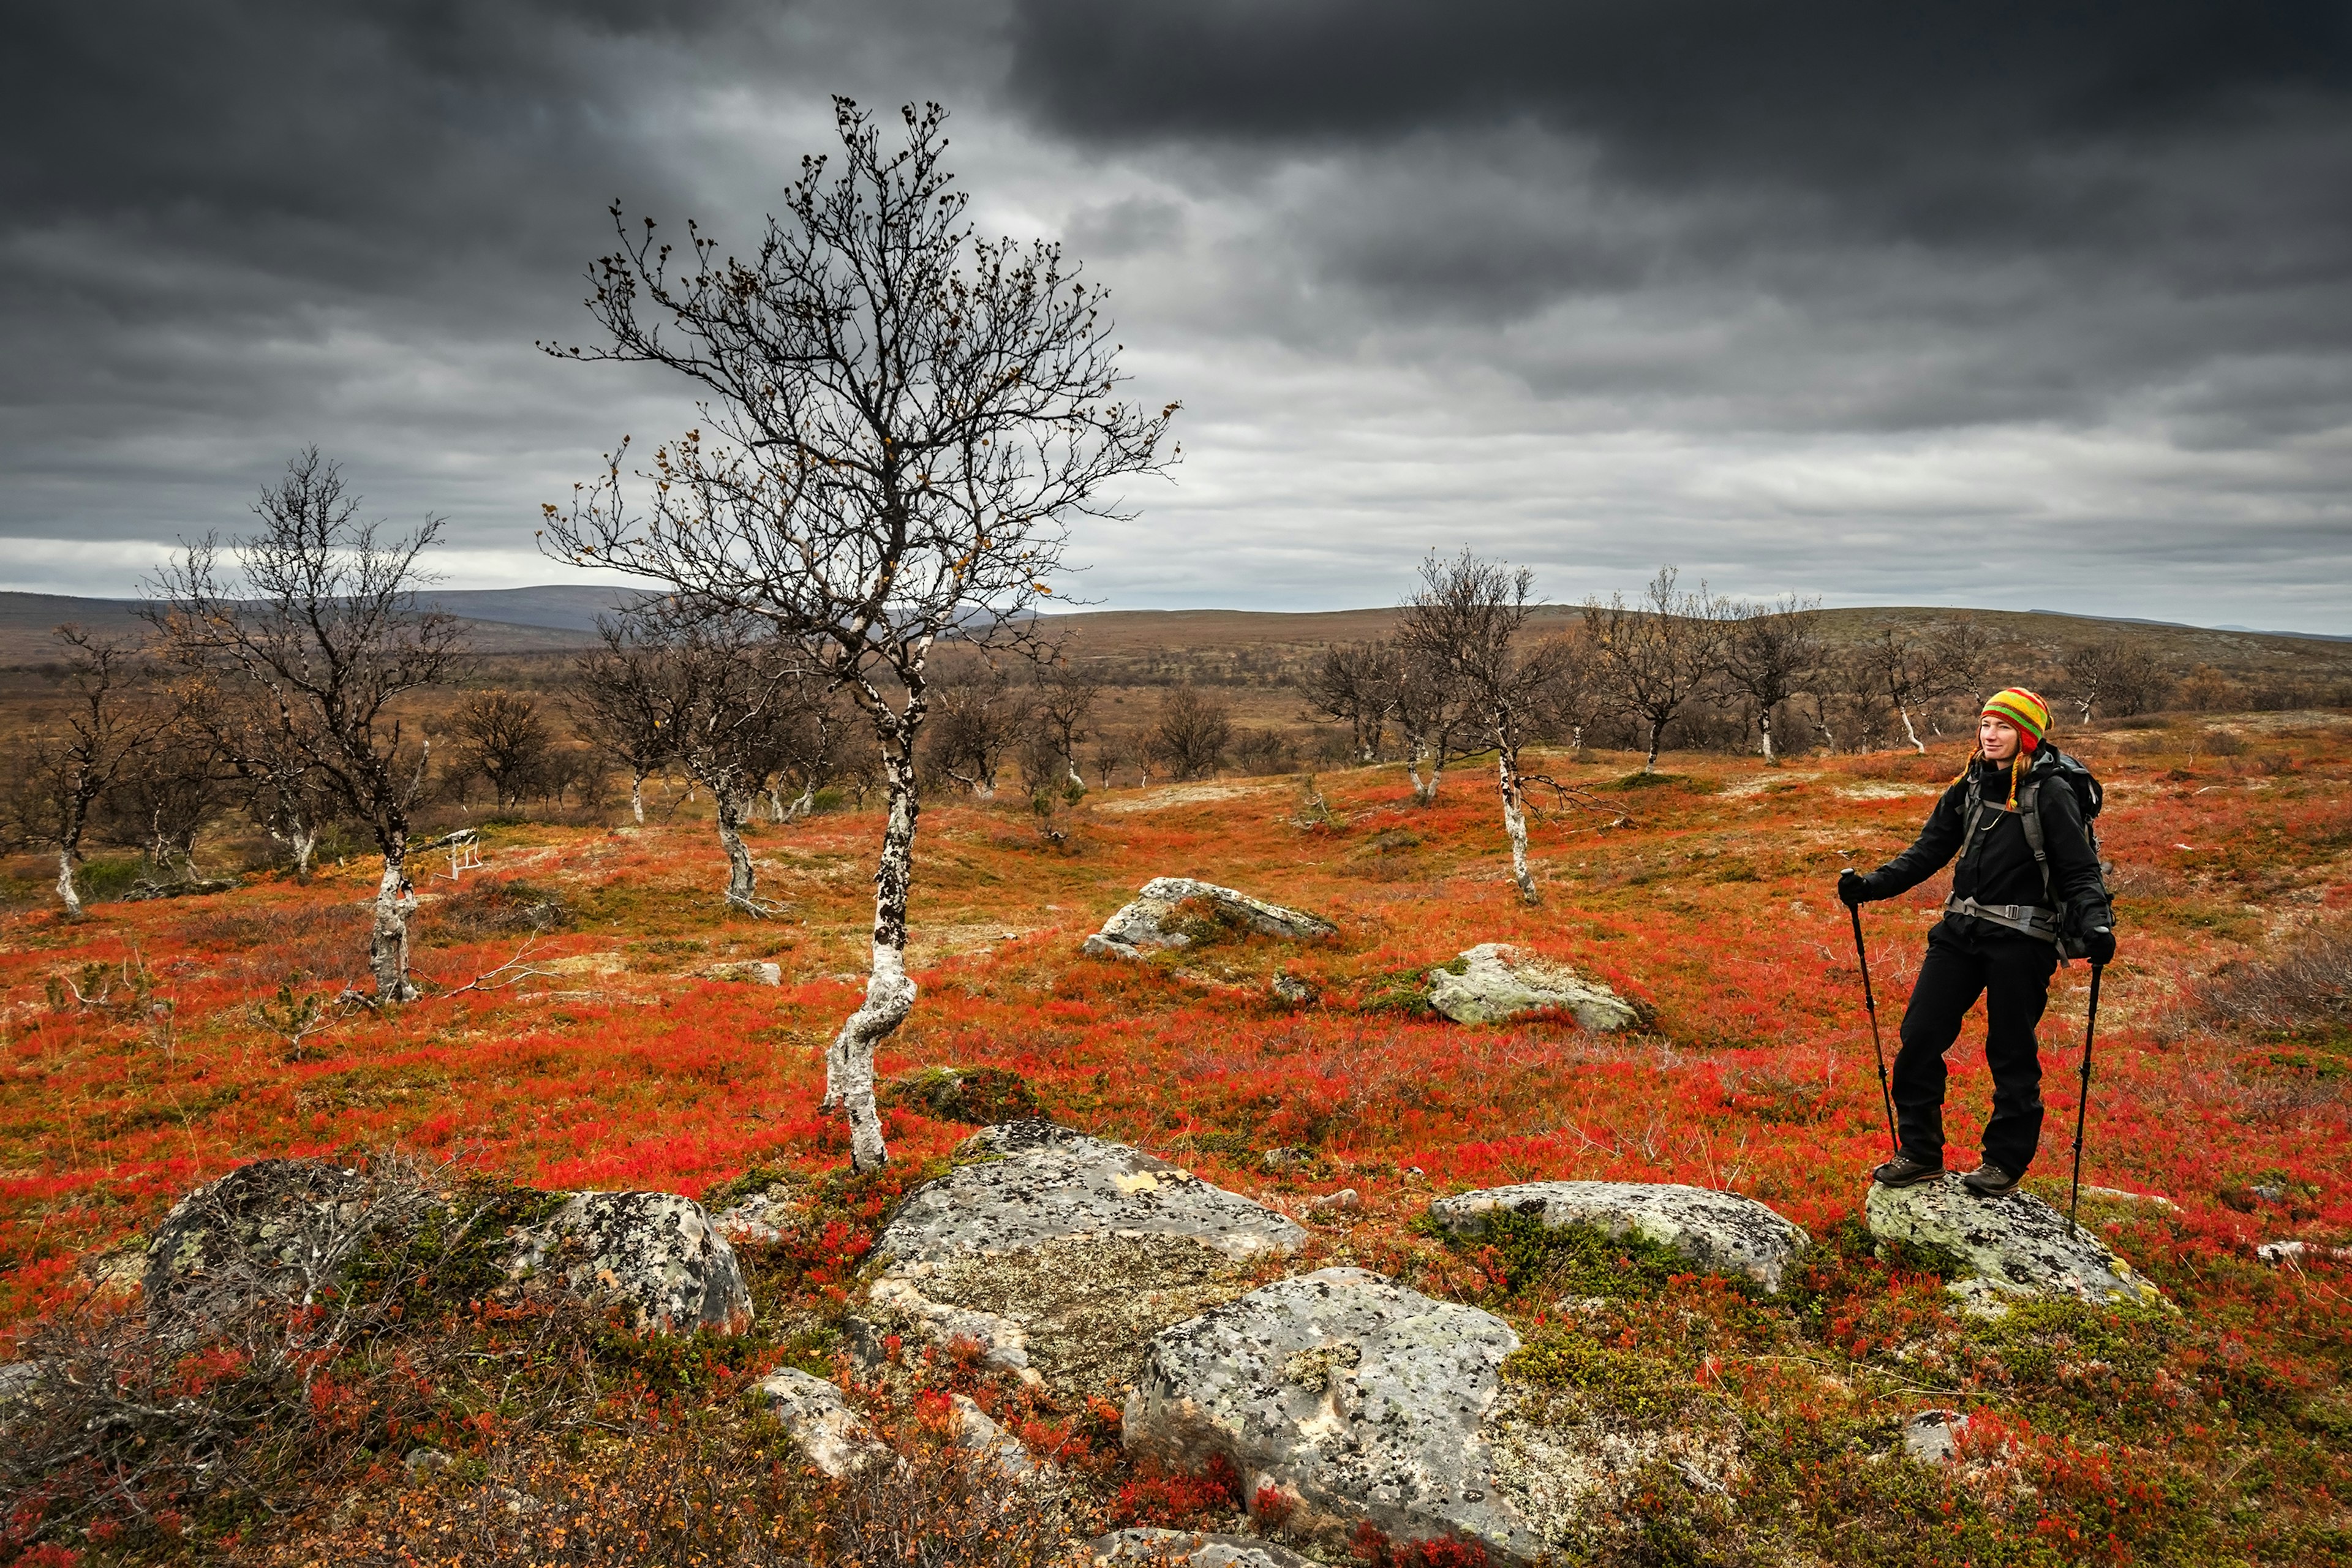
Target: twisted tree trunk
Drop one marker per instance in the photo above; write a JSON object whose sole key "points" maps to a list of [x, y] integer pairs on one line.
{"points": [[395, 900], [889, 991]]}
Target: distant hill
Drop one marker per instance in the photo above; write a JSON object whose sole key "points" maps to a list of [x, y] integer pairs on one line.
{"points": [[1250, 646], [504, 620]]}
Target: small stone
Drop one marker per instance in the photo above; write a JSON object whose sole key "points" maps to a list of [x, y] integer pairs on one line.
{"points": [[1344, 1201], [757, 1219], [748, 971], [2007, 1248], [1153, 920], [1291, 989], [1497, 984], [423, 1462], [1722, 1231], [975, 1095], [975, 1431], [1286, 1158], [1144, 1547], [1932, 1435], [829, 1434]]}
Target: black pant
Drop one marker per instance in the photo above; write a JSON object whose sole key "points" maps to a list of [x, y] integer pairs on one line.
{"points": [[2012, 973]]}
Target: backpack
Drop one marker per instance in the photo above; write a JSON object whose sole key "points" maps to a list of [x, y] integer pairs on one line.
{"points": [[2089, 798]]}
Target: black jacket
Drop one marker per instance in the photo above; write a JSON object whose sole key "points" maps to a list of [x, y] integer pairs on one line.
{"points": [[2000, 868]]}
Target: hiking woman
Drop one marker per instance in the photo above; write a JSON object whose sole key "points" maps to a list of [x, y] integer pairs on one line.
{"points": [[2028, 878]]}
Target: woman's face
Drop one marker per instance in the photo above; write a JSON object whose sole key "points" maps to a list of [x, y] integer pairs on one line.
{"points": [[1998, 737]]}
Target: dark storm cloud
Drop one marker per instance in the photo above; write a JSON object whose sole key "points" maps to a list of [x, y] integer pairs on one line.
{"points": [[1874, 301]]}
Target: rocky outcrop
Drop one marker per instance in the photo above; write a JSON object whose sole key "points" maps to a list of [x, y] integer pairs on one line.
{"points": [[758, 1218], [827, 1433], [277, 1231], [1342, 1399], [1351, 1398], [1056, 1256], [1146, 1548], [1178, 911], [1723, 1232], [2004, 1249], [1494, 983], [655, 1255]]}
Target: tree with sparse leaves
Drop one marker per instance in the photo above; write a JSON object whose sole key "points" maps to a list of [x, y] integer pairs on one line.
{"points": [[314, 622], [61, 777], [1659, 653], [901, 417]]}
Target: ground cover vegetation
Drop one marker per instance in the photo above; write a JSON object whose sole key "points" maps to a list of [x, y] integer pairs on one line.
{"points": [[155, 1043]]}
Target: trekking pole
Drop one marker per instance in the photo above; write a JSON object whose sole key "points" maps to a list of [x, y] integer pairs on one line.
{"points": [[1885, 1095], [2083, 1101]]}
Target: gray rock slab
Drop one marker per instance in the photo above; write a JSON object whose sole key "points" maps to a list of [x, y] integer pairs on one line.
{"points": [[1056, 1256], [1723, 1232], [2010, 1249], [828, 1434], [1146, 924], [656, 1254], [975, 1431], [747, 970], [1354, 1398], [1076, 1187], [1143, 1547], [1499, 983]]}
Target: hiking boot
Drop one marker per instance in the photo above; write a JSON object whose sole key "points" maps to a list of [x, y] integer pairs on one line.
{"points": [[1903, 1171], [1989, 1181]]}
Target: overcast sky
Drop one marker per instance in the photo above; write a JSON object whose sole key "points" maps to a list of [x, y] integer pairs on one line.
{"points": [[2042, 305]]}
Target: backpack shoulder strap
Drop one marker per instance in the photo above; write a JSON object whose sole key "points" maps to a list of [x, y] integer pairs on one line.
{"points": [[2029, 817]]}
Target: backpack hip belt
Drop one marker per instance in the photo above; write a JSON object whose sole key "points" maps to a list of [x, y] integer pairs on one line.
{"points": [[2027, 920]]}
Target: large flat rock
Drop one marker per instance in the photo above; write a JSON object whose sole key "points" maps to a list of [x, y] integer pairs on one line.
{"points": [[1145, 1547], [1354, 1398], [2008, 1249], [1722, 1232], [1157, 918], [1495, 984], [1057, 1255]]}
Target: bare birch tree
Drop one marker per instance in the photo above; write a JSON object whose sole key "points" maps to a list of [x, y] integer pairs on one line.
{"points": [[1771, 651], [903, 416], [1356, 683], [615, 700], [316, 622], [1065, 701], [1659, 653], [63, 776], [1904, 673], [1467, 617]]}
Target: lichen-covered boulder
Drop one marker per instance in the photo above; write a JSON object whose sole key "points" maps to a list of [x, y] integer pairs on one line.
{"points": [[1348, 1397], [275, 1230], [747, 972], [1145, 1547], [2006, 1249], [1055, 1255], [1494, 983], [1156, 920], [1724, 1232], [828, 1434], [1342, 1399], [655, 1255]]}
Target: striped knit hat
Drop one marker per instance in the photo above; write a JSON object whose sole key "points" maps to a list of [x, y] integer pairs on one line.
{"points": [[2022, 708]]}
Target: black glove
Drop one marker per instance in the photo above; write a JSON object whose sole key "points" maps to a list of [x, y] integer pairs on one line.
{"points": [[2099, 946], [1853, 888]]}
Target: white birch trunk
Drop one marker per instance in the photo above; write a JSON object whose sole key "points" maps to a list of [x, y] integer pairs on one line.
{"points": [[637, 797], [1765, 723], [742, 888], [388, 939], [1515, 819], [889, 991], [1917, 744], [66, 892]]}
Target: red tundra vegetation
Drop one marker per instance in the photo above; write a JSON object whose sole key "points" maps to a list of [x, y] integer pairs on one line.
{"points": [[565, 1039]]}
